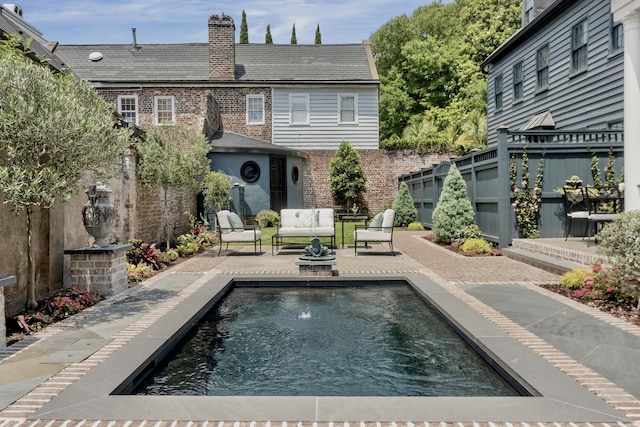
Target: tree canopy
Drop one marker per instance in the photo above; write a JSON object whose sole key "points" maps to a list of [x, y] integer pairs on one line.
{"points": [[318, 39], [54, 129], [429, 68], [267, 37], [294, 39], [347, 178], [244, 29], [172, 157]]}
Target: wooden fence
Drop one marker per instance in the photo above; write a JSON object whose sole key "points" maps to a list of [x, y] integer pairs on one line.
{"points": [[486, 173]]}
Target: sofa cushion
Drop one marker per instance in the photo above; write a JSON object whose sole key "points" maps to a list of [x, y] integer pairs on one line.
{"points": [[376, 222], [236, 222], [325, 217], [223, 221], [304, 218]]}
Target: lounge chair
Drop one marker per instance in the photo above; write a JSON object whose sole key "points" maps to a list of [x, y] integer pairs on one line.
{"points": [[379, 230], [232, 230]]}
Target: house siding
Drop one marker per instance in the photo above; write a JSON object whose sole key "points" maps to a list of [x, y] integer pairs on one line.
{"points": [[592, 99], [323, 130]]}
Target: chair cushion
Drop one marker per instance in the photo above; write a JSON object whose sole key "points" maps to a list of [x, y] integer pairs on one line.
{"points": [[372, 236], [376, 222], [223, 221], [243, 236], [236, 222], [388, 217], [578, 214]]}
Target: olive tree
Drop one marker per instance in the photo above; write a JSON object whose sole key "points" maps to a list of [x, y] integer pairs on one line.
{"points": [[172, 157], [54, 129], [216, 191]]}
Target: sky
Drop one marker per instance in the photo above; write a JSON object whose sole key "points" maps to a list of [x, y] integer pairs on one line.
{"points": [[185, 21]]}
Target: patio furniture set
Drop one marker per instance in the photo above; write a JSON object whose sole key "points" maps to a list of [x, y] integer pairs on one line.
{"points": [[594, 205], [314, 222]]}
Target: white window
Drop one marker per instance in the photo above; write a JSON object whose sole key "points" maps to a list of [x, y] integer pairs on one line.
{"points": [[128, 108], [348, 111], [255, 109], [299, 109], [164, 111], [542, 67]]}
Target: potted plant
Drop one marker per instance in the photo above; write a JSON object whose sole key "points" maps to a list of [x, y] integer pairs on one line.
{"points": [[573, 183], [267, 217]]}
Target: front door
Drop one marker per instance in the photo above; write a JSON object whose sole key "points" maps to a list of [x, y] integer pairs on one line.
{"points": [[278, 183]]}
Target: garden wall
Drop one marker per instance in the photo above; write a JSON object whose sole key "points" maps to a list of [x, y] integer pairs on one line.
{"points": [[381, 167]]}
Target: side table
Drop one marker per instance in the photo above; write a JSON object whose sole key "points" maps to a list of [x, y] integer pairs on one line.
{"points": [[351, 218]]}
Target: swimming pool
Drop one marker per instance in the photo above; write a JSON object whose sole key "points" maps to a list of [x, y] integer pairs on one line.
{"points": [[553, 396], [364, 340]]}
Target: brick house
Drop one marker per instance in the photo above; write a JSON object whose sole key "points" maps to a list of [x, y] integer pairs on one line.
{"points": [[262, 106]]}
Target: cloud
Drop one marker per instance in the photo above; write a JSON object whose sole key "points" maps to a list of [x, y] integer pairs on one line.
{"points": [[159, 21]]}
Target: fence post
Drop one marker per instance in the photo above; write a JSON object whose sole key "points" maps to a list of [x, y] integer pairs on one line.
{"points": [[504, 202]]}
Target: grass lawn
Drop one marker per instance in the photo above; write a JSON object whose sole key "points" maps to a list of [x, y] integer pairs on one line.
{"points": [[267, 232]]}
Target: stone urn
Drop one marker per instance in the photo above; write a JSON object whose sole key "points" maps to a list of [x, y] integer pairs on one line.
{"points": [[98, 215]]}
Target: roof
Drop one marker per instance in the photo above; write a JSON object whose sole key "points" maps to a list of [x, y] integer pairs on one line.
{"points": [[543, 120], [9, 24], [190, 62], [527, 31], [229, 142]]}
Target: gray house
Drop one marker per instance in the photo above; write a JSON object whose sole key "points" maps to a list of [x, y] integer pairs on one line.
{"points": [[562, 70], [262, 106]]}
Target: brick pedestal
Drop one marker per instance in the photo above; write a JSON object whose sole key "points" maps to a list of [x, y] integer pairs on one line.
{"points": [[4, 281], [102, 270], [316, 268]]}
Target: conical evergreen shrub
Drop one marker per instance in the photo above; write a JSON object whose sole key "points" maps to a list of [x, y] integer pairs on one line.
{"points": [[453, 211], [406, 212]]}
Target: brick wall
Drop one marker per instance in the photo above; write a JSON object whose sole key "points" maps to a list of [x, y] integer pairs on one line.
{"points": [[222, 48], [233, 114], [381, 167]]}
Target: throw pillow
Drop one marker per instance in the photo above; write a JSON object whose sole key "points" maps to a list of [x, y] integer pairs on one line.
{"points": [[376, 222], [236, 222], [223, 221]]}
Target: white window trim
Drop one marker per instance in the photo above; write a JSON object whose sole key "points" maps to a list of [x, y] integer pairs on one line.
{"points": [[254, 96], [135, 97], [298, 95], [155, 109], [355, 107]]}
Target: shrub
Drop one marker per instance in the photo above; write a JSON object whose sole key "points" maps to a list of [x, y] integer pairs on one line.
{"points": [[169, 257], [61, 304], [415, 226], [406, 211], [347, 178], [188, 249], [619, 241], [609, 284], [453, 211], [573, 279], [270, 216], [137, 273], [471, 231], [144, 253], [475, 247], [526, 203]]}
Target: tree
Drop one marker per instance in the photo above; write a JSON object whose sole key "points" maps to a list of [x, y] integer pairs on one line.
{"points": [[172, 157], [318, 35], [267, 36], [453, 211], [429, 64], [406, 211], [244, 30], [54, 129], [294, 40], [216, 190], [347, 178]]}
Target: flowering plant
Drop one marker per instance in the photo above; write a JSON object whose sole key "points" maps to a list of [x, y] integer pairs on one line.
{"points": [[61, 304], [610, 284], [526, 201]]}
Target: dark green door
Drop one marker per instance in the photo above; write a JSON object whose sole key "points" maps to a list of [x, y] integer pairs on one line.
{"points": [[278, 183]]}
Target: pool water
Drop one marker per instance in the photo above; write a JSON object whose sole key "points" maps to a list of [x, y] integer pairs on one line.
{"points": [[324, 341]]}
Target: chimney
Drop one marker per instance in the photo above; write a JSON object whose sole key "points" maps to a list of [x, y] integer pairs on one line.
{"points": [[134, 44], [222, 48]]}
